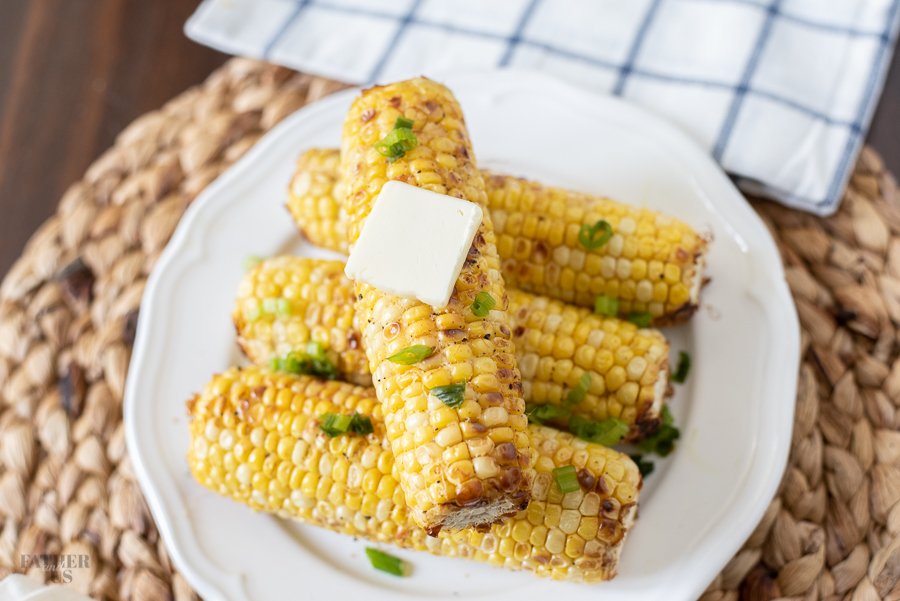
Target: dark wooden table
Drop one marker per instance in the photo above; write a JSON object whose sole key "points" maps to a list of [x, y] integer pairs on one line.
{"points": [[73, 73]]}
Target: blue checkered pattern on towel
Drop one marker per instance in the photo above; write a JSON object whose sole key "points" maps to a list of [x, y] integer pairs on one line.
{"points": [[780, 92]]}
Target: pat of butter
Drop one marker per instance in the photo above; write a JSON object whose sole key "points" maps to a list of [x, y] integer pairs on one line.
{"points": [[414, 243]]}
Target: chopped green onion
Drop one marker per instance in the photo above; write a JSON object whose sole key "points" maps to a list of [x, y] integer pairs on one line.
{"points": [[451, 395], [483, 304], [576, 395], [396, 144], [608, 432], [254, 313], [291, 365], [542, 413], [270, 305], [684, 366], [386, 563], [403, 123], [668, 418], [323, 368], [283, 307], [566, 479], [334, 424], [361, 424], [645, 467], [315, 349], [594, 236], [606, 305], [662, 442], [641, 319], [251, 261], [312, 361], [411, 354]]}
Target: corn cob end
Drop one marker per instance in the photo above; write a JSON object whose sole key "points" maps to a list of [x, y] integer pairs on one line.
{"points": [[479, 516], [687, 310]]}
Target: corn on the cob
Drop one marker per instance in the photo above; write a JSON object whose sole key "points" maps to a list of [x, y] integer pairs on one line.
{"points": [[285, 302], [653, 263], [312, 199], [443, 490], [555, 343], [255, 438]]}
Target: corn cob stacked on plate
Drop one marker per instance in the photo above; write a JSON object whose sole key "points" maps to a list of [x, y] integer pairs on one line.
{"points": [[443, 488], [474, 481], [652, 262], [555, 343], [256, 438]]}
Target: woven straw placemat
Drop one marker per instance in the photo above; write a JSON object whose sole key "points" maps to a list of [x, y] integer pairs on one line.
{"points": [[68, 310]]}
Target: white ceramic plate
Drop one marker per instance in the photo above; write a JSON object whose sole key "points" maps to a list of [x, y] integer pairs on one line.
{"points": [[735, 410]]}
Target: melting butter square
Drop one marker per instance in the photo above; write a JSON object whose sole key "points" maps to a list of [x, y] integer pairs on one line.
{"points": [[414, 242]]}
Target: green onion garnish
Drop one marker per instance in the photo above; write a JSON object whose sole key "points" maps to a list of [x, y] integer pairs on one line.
{"points": [[254, 313], [606, 305], [641, 319], [292, 365], [270, 305], [645, 467], [386, 563], [566, 479], [542, 413], [251, 261], [312, 361], [662, 442], [361, 424], [399, 141], [608, 432], [595, 236], [576, 395], [411, 354], [315, 349], [451, 395], [283, 307], [483, 304], [334, 424], [684, 366]]}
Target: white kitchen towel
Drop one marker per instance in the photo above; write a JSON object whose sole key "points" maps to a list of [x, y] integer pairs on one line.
{"points": [[780, 92]]}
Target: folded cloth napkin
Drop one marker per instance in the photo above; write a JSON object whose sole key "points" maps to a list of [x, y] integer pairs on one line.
{"points": [[780, 92], [16, 587]]}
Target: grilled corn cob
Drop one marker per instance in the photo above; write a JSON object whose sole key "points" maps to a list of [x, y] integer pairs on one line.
{"points": [[255, 438], [312, 199], [285, 302], [652, 263], [442, 489], [555, 343]]}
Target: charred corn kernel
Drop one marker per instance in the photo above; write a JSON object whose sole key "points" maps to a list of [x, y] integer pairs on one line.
{"points": [[472, 501], [556, 535], [536, 230]]}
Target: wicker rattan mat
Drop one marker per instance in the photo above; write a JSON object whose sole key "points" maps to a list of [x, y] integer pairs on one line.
{"points": [[68, 309]]}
